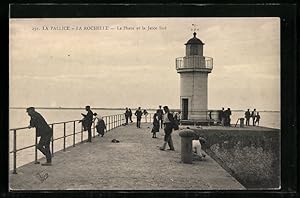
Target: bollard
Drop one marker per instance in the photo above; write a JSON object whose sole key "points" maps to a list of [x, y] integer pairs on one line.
{"points": [[187, 136], [242, 122]]}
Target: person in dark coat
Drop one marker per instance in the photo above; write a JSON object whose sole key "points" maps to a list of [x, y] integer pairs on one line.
{"points": [[155, 128], [253, 115], [257, 119], [88, 120], [130, 115], [138, 115], [126, 115], [44, 131], [100, 125], [168, 128], [247, 116], [222, 116], [227, 119], [160, 114], [177, 119], [84, 122]]}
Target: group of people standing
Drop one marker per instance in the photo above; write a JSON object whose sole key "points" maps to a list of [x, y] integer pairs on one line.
{"points": [[164, 118], [224, 117], [128, 115], [45, 132], [88, 120], [138, 113], [254, 115]]}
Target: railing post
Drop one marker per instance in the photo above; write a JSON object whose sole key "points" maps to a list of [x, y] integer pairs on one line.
{"points": [[118, 120], [81, 133], [106, 124], [15, 152], [74, 129], [52, 141], [114, 118], [113, 121], [35, 149], [64, 136], [109, 123]]}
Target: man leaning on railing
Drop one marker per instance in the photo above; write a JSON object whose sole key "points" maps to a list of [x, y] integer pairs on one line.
{"points": [[42, 130]]}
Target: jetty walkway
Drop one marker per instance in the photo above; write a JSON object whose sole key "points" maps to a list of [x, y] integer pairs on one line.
{"points": [[135, 163]]}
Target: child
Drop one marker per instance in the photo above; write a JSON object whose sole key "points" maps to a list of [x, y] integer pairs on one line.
{"points": [[155, 128], [196, 145]]}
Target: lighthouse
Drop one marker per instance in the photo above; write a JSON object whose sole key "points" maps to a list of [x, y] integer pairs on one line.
{"points": [[194, 69]]}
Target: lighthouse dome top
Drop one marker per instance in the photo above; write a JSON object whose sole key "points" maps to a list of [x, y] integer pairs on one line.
{"points": [[194, 40]]}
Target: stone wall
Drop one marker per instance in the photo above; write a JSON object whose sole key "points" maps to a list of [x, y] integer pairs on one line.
{"points": [[251, 156]]}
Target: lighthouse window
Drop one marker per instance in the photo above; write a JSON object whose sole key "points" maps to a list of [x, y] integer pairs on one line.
{"points": [[194, 50]]}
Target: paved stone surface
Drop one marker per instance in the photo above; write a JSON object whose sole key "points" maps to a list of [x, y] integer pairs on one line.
{"points": [[136, 163]]}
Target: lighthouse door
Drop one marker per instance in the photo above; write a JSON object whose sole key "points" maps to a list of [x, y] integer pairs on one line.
{"points": [[185, 111]]}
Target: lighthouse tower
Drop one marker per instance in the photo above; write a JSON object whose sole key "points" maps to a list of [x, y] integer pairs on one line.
{"points": [[194, 69]]}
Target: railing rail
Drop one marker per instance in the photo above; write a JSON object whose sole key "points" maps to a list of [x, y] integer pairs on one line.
{"points": [[114, 121]]}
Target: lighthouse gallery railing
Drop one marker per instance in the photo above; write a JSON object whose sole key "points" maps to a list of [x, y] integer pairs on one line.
{"points": [[192, 62]]}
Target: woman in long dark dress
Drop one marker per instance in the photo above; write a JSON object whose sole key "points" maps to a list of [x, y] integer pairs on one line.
{"points": [[155, 128], [100, 126]]}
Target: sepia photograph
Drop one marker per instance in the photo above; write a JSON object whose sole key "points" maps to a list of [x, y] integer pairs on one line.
{"points": [[152, 103]]}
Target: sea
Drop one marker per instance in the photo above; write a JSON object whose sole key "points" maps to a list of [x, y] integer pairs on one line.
{"points": [[18, 118]]}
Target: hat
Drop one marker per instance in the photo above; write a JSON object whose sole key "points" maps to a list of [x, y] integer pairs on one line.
{"points": [[30, 109]]}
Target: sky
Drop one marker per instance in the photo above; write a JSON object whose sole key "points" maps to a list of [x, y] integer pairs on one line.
{"points": [[114, 66]]}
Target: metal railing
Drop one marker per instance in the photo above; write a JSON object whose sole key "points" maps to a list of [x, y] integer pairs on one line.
{"points": [[112, 121], [194, 62]]}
